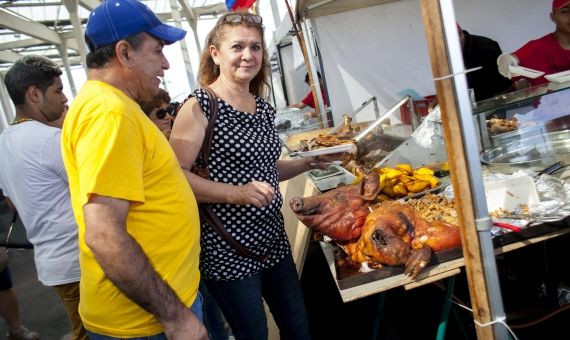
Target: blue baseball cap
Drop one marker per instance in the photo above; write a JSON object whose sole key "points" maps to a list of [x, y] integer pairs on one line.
{"points": [[114, 20]]}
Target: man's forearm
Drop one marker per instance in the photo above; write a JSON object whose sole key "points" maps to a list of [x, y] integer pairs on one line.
{"points": [[124, 262], [129, 269]]}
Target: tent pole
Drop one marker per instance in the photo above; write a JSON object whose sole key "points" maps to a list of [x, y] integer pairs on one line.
{"points": [[463, 155], [316, 84], [297, 31]]}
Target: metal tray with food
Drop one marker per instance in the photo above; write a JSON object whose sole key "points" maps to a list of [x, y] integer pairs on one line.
{"points": [[348, 147], [534, 153], [530, 129]]}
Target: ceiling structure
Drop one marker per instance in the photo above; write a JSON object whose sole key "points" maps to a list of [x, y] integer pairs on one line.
{"points": [[54, 28], [316, 8]]}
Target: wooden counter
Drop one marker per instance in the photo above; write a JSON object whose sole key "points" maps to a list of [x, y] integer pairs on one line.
{"points": [[431, 273]]}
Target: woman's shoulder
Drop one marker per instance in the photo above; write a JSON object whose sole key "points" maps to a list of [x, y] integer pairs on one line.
{"points": [[264, 104], [198, 93]]}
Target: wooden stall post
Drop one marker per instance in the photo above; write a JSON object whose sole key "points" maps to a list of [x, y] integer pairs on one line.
{"points": [[463, 192], [298, 32]]}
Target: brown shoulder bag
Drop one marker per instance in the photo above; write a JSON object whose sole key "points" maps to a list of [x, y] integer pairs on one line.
{"points": [[206, 212]]}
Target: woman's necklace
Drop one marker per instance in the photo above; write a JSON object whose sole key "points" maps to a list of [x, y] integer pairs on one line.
{"points": [[21, 120]]}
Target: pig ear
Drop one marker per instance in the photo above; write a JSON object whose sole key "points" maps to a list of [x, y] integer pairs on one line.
{"points": [[370, 186]]}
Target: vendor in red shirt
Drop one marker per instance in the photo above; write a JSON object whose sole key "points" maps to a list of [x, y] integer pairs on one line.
{"points": [[308, 100], [549, 54]]}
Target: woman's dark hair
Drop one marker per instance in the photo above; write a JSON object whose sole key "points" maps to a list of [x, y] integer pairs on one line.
{"points": [[30, 71], [209, 71], [161, 97], [99, 57]]}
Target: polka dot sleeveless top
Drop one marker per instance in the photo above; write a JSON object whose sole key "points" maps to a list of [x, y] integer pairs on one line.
{"points": [[245, 147]]}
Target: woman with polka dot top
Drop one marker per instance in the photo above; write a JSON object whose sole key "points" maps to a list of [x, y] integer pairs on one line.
{"points": [[243, 188]]}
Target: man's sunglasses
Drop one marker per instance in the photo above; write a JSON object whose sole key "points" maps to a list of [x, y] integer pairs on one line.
{"points": [[172, 110], [237, 18]]}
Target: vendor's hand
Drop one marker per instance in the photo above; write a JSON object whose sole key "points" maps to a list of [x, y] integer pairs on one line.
{"points": [[309, 115], [256, 193], [504, 61]]}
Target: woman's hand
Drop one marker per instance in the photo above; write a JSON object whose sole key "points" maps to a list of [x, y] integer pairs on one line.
{"points": [[324, 161], [256, 193]]}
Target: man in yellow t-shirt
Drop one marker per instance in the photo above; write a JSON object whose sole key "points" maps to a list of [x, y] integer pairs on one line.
{"points": [[137, 216]]}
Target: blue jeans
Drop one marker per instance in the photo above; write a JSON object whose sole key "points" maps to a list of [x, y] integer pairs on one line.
{"points": [[242, 304], [196, 308], [213, 318]]}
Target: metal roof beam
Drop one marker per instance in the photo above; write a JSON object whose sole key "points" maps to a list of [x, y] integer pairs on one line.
{"points": [[30, 28], [21, 43], [9, 56], [187, 10], [16, 4], [72, 8], [89, 4]]}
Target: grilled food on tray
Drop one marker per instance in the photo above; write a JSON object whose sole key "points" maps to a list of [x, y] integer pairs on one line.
{"points": [[396, 234], [403, 180], [497, 125], [344, 135], [392, 234], [435, 208]]}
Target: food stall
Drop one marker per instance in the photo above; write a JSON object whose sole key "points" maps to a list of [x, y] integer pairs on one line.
{"points": [[465, 167]]}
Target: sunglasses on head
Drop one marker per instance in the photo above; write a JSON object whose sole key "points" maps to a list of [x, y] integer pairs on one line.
{"points": [[237, 18]]}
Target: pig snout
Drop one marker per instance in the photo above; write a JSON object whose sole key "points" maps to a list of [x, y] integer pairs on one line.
{"points": [[297, 204]]}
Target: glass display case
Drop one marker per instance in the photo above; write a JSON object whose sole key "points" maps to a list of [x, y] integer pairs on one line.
{"points": [[532, 108], [526, 129]]}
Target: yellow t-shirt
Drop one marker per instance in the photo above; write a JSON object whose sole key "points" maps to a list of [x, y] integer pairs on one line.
{"points": [[110, 148]]}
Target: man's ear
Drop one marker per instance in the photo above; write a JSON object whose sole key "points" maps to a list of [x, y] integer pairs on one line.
{"points": [[33, 94], [123, 52]]}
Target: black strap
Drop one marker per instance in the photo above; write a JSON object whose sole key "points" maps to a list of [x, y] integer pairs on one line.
{"points": [[212, 219], [205, 210], [209, 134]]}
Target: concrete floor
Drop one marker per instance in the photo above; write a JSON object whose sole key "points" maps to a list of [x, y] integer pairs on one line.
{"points": [[42, 311], [40, 307]]}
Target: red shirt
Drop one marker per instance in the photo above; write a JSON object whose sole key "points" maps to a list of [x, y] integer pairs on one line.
{"points": [[309, 101], [544, 54]]}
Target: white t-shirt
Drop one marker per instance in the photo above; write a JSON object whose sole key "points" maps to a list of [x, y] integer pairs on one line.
{"points": [[32, 175]]}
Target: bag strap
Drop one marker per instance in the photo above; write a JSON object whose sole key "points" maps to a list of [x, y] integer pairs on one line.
{"points": [[214, 222], [206, 211], [209, 133]]}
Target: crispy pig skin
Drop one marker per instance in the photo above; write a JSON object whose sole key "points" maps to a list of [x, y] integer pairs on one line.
{"points": [[339, 213]]}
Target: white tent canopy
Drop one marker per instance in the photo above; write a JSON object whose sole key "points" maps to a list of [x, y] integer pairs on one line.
{"points": [[380, 50]]}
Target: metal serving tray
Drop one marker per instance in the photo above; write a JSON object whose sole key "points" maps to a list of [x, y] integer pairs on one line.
{"points": [[558, 124], [535, 153]]}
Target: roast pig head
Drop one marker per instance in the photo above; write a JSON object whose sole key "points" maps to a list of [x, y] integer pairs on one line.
{"points": [[341, 212]]}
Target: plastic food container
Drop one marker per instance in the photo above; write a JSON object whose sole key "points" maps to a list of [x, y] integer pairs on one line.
{"points": [[511, 194]]}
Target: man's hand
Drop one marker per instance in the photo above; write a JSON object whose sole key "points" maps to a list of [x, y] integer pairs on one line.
{"points": [[188, 327], [505, 61]]}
